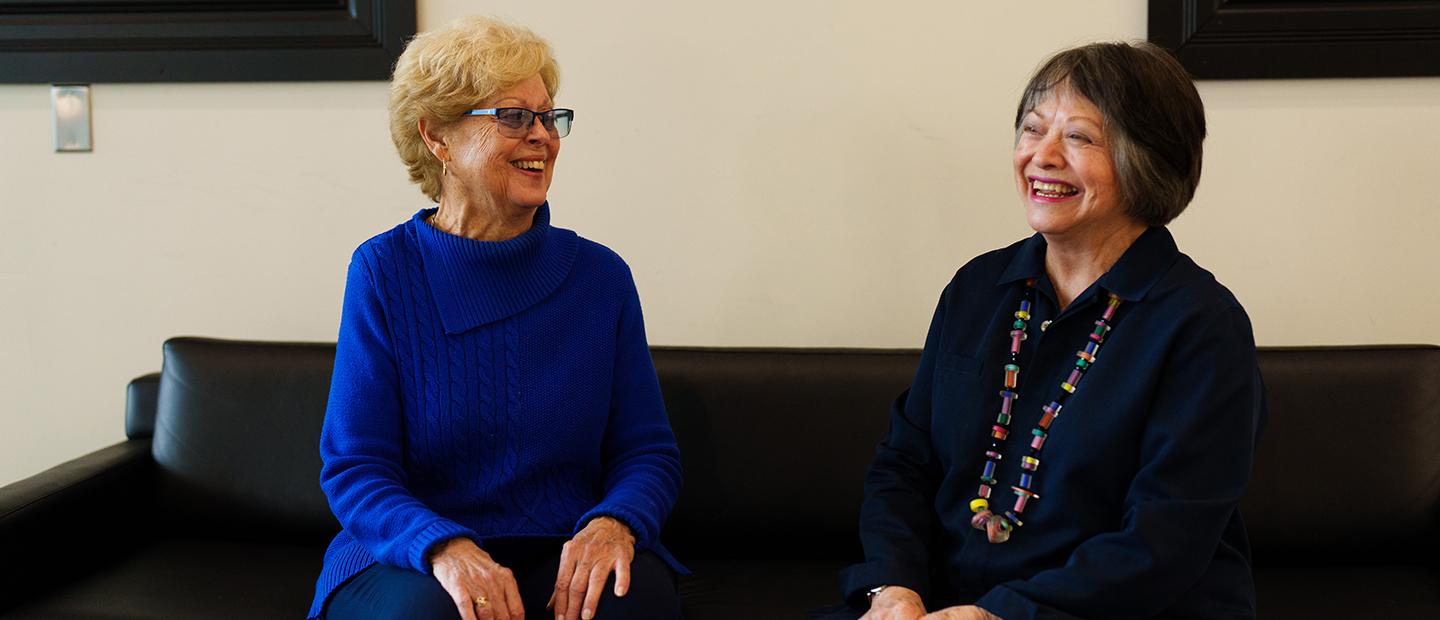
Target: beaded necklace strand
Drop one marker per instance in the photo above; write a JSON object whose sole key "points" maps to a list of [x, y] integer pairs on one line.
{"points": [[999, 527]]}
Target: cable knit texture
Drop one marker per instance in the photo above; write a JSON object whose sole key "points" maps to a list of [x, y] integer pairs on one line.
{"points": [[489, 390]]}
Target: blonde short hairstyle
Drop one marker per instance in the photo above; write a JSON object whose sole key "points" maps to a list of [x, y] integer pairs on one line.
{"points": [[445, 72]]}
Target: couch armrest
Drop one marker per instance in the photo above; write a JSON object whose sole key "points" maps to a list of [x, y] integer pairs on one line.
{"points": [[74, 518]]}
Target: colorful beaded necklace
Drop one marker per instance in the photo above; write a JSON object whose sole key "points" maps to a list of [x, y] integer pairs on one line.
{"points": [[999, 527]]}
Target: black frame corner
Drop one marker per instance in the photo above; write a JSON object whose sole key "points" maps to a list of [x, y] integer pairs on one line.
{"points": [[1267, 39], [89, 41]]}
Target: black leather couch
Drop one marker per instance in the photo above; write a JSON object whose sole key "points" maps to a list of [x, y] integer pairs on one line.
{"points": [[211, 508]]}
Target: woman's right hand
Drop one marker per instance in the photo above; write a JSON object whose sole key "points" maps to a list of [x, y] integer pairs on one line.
{"points": [[470, 576], [895, 603]]}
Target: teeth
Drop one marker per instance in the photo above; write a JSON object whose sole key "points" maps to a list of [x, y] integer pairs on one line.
{"points": [[529, 164], [1052, 190]]}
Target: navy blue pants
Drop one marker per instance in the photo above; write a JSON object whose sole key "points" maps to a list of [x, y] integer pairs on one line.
{"points": [[384, 592]]}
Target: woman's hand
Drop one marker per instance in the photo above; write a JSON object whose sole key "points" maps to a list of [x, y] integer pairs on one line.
{"points": [[481, 588], [962, 612], [895, 603], [585, 563]]}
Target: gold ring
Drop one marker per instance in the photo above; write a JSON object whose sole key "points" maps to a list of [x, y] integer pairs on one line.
{"points": [[482, 602]]}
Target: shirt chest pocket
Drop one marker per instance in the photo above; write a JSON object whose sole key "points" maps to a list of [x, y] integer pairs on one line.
{"points": [[956, 364], [957, 399]]}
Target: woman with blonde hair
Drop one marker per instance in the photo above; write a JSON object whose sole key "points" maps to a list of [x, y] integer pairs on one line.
{"points": [[495, 443]]}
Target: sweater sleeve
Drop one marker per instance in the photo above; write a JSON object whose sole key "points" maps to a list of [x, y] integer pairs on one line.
{"points": [[640, 459], [361, 443], [1196, 452], [897, 519]]}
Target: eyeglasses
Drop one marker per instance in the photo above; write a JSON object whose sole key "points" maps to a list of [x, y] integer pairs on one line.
{"points": [[516, 122]]}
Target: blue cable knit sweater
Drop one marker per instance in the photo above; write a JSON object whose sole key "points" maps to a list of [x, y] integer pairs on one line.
{"points": [[489, 390]]}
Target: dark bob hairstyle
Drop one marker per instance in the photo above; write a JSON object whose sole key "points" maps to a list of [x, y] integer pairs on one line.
{"points": [[1153, 118]]}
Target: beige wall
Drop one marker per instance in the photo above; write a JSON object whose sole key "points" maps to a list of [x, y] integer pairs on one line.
{"points": [[777, 173]]}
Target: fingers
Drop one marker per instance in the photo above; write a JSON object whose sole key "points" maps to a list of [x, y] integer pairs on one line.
{"points": [[896, 603], [584, 568], [459, 593], [622, 577], [491, 610], [575, 593], [480, 588], [504, 597], [944, 614], [466, 607], [598, 574], [513, 602], [561, 597], [489, 594]]}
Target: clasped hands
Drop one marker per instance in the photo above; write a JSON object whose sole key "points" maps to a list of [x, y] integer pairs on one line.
{"points": [[484, 590], [897, 603]]}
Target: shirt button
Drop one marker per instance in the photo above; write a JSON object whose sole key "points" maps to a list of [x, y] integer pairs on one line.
{"points": [[1044, 325]]}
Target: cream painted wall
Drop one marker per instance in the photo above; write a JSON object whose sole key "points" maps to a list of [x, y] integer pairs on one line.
{"points": [[777, 173]]}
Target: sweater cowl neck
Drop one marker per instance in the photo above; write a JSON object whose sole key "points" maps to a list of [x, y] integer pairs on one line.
{"points": [[479, 282]]}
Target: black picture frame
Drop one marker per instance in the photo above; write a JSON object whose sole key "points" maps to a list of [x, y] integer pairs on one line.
{"points": [[1267, 39], [89, 41]]}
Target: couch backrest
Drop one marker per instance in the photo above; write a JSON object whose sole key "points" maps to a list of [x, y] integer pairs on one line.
{"points": [[1349, 463], [140, 397], [237, 435], [775, 444]]}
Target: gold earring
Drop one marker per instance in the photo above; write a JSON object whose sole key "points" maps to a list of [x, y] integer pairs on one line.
{"points": [[444, 168]]}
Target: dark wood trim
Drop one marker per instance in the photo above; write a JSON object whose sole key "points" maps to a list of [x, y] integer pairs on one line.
{"points": [[88, 41], [1237, 39]]}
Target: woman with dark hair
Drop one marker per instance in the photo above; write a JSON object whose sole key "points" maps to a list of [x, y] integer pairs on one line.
{"points": [[1025, 474]]}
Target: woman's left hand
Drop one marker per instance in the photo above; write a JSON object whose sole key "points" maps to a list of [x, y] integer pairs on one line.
{"points": [[961, 612], [604, 545]]}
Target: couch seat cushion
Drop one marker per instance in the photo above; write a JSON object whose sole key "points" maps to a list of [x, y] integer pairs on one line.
{"points": [[191, 579], [1296, 593], [759, 588]]}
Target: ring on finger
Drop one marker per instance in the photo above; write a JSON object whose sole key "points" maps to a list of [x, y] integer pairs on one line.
{"points": [[482, 602]]}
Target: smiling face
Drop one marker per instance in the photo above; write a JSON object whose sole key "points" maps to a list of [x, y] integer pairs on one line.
{"points": [[1064, 171], [508, 173]]}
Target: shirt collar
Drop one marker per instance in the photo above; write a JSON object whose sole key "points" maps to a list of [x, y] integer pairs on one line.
{"points": [[1131, 277]]}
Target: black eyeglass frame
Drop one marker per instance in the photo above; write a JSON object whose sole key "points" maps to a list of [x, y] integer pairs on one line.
{"points": [[549, 119]]}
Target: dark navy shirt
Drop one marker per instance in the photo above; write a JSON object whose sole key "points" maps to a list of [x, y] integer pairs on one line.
{"points": [[1141, 474]]}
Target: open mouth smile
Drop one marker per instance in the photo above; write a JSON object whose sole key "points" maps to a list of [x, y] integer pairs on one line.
{"points": [[1052, 190], [534, 166]]}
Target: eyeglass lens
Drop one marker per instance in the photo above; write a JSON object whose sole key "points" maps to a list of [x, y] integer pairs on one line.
{"points": [[516, 122]]}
